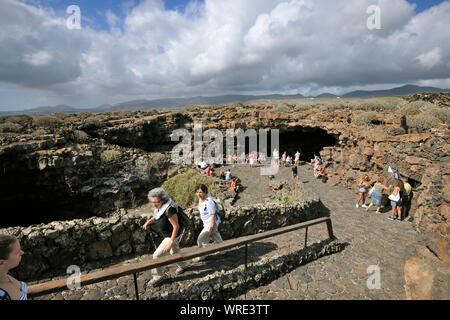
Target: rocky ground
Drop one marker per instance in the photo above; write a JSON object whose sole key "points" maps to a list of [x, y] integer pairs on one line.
{"points": [[369, 240]]}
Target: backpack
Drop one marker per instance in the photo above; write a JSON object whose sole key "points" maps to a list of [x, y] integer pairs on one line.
{"points": [[220, 210], [183, 220]]}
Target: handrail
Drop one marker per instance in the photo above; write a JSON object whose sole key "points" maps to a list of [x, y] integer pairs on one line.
{"points": [[121, 270]]}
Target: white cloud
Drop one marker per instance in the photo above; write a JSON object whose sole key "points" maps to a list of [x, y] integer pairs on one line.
{"points": [[218, 47], [431, 58], [40, 58]]}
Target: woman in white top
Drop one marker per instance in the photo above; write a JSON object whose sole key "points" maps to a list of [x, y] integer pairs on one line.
{"points": [[210, 219], [10, 257]]}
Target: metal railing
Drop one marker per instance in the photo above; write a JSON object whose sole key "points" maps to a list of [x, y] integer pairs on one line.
{"points": [[121, 270]]}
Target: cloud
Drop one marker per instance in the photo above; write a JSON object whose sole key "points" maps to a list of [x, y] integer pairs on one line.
{"points": [[219, 47], [431, 58]]}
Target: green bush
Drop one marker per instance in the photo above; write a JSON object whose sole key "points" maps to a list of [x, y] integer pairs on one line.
{"points": [[181, 187], [366, 118], [422, 123], [46, 121], [109, 156]]}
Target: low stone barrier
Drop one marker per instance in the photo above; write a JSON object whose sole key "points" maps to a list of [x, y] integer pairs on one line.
{"points": [[51, 248]]}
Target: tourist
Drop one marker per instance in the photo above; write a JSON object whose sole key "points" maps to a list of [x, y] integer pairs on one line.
{"points": [[288, 160], [252, 157], [363, 187], [230, 159], [283, 160], [222, 174], [315, 161], [297, 157], [294, 171], [406, 198], [207, 208], [399, 189], [10, 257], [166, 223], [377, 193], [276, 157], [234, 186], [209, 172], [228, 175], [319, 172]]}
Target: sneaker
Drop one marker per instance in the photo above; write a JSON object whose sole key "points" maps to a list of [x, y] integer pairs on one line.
{"points": [[399, 219], [364, 206], [357, 205], [179, 271], [391, 218], [198, 259], [157, 282]]}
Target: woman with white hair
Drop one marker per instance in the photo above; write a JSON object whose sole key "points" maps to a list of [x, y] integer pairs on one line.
{"points": [[166, 223]]}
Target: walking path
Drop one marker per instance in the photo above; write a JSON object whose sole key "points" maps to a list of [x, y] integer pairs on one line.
{"points": [[370, 240]]}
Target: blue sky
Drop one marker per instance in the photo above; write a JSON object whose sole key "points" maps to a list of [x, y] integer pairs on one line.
{"points": [[180, 48], [93, 11]]}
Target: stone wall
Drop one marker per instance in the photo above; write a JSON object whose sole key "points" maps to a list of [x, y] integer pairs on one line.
{"points": [[96, 242]]}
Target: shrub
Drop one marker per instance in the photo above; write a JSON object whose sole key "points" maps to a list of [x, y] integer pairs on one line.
{"points": [[10, 127], [20, 119], [80, 136], [422, 123], [181, 187], [46, 121], [238, 105], [60, 115], [109, 156], [365, 118], [415, 107], [442, 114]]}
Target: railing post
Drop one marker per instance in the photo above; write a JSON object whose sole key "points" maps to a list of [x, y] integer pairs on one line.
{"points": [[136, 286], [306, 237], [246, 251], [330, 229]]}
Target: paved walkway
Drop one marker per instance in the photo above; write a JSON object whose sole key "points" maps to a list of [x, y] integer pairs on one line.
{"points": [[371, 240]]}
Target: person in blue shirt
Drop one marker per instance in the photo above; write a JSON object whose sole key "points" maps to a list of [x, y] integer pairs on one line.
{"points": [[228, 175]]}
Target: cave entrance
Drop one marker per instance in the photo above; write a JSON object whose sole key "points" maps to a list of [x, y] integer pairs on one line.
{"points": [[33, 197], [307, 140]]}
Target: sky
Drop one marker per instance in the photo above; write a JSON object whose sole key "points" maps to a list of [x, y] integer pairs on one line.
{"points": [[151, 49]]}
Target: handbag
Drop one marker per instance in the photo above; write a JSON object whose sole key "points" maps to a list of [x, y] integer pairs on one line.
{"points": [[395, 198], [371, 191]]}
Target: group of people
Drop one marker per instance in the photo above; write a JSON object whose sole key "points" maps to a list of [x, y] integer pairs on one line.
{"points": [[319, 168], [399, 199], [166, 222]]}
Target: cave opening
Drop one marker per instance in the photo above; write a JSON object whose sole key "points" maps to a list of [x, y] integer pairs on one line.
{"points": [[33, 197], [307, 140]]}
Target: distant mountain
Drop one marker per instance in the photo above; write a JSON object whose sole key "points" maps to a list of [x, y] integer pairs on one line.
{"points": [[326, 95], [173, 103], [400, 91]]}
